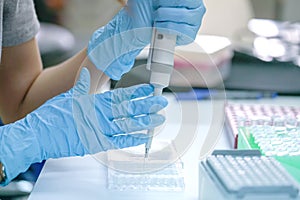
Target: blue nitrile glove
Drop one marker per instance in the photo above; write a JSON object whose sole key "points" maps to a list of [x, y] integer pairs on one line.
{"points": [[114, 47], [76, 123]]}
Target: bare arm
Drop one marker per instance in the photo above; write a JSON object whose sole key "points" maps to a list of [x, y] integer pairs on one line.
{"points": [[24, 85]]}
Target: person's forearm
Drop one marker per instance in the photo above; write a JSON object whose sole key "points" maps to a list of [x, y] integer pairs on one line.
{"points": [[26, 86], [58, 79]]}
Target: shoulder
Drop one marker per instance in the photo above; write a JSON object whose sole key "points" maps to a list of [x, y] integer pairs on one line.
{"points": [[20, 22]]}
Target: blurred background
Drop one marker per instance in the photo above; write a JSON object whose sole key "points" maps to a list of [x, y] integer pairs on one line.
{"points": [[264, 41], [82, 18]]}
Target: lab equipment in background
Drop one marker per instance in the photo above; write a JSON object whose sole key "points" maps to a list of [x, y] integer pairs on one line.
{"points": [[275, 140], [202, 94], [160, 63], [204, 63], [127, 170], [264, 50], [250, 73], [274, 130], [235, 114], [271, 40], [244, 174]]}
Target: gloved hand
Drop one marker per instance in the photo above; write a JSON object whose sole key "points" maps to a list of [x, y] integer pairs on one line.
{"points": [[114, 47], [76, 123]]}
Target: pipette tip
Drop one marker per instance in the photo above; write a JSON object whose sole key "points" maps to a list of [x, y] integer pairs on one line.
{"points": [[146, 153]]}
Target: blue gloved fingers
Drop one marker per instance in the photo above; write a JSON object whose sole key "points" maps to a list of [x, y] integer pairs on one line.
{"points": [[145, 106], [125, 60], [125, 94], [187, 16], [138, 9], [129, 125], [118, 39], [190, 4], [189, 35], [124, 141], [94, 39], [82, 85], [186, 25]]}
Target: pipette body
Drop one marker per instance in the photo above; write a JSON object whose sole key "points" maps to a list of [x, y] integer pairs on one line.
{"points": [[160, 63]]}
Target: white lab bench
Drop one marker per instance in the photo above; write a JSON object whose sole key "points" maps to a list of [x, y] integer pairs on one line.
{"points": [[85, 178]]}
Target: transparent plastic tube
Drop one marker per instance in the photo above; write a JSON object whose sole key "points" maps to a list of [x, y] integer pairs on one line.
{"points": [[157, 92]]}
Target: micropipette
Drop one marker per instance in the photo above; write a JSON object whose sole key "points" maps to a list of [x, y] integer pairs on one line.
{"points": [[160, 63]]}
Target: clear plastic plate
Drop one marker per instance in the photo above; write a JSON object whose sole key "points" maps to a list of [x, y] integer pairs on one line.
{"points": [[131, 171]]}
